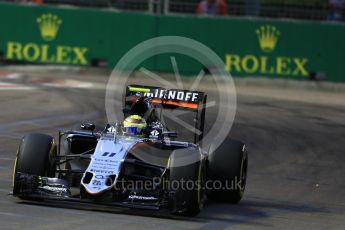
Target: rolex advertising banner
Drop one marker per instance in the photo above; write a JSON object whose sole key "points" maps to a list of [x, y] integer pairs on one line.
{"points": [[273, 48], [45, 51], [68, 36], [248, 47]]}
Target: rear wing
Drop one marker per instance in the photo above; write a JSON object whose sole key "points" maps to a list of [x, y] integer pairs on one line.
{"points": [[195, 101]]}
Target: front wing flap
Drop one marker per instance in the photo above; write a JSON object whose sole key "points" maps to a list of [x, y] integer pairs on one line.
{"points": [[31, 187]]}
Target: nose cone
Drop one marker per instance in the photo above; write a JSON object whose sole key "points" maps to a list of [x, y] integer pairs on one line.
{"points": [[102, 172], [98, 183]]}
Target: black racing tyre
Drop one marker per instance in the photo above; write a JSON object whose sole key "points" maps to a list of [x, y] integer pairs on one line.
{"points": [[228, 166], [35, 156], [186, 181]]}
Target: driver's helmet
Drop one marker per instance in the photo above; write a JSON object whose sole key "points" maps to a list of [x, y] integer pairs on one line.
{"points": [[134, 125]]}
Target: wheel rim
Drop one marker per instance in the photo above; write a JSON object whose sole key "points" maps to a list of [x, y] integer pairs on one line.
{"points": [[244, 174], [14, 170]]}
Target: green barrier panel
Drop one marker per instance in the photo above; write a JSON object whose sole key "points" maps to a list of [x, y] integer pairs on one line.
{"points": [[74, 36], [55, 35], [266, 47]]}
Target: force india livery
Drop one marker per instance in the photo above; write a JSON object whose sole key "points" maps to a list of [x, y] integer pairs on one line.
{"points": [[134, 164]]}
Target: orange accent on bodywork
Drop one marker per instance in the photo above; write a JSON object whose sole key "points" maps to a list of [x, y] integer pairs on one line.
{"points": [[190, 105]]}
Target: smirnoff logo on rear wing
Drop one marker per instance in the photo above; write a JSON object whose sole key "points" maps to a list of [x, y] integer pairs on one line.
{"points": [[178, 95]]}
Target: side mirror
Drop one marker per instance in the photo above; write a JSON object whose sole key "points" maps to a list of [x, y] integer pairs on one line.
{"points": [[171, 134], [88, 126]]}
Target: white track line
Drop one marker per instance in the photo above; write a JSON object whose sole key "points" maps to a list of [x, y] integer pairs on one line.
{"points": [[67, 83], [11, 214], [6, 159], [5, 190], [11, 86]]}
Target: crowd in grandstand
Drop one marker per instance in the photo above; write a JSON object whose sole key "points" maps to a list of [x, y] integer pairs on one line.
{"points": [[31, 1], [335, 8], [212, 7]]}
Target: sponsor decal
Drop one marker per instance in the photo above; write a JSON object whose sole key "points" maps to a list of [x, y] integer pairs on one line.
{"points": [[104, 160], [49, 26], [178, 95], [54, 189], [102, 171], [269, 63], [96, 183], [108, 154], [268, 37], [105, 163], [135, 197], [111, 129], [154, 134]]}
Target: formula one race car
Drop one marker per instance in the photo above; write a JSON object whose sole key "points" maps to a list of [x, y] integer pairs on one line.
{"points": [[134, 164]]}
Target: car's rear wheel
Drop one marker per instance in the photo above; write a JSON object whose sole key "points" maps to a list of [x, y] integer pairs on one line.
{"points": [[186, 182], [35, 156], [228, 165]]}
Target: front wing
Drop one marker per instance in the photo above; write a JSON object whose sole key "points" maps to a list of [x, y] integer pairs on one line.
{"points": [[36, 188]]}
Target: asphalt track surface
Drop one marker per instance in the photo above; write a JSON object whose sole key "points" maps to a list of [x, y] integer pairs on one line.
{"points": [[296, 150]]}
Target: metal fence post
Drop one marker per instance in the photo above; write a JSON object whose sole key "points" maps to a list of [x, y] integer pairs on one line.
{"points": [[151, 6], [159, 7], [166, 6]]}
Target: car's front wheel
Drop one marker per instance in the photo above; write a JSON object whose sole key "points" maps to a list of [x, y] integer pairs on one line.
{"points": [[228, 166], [35, 156], [186, 181]]}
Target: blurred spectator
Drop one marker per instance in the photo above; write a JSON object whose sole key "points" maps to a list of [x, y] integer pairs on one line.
{"points": [[252, 7], [212, 7], [32, 1], [120, 4], [337, 10]]}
